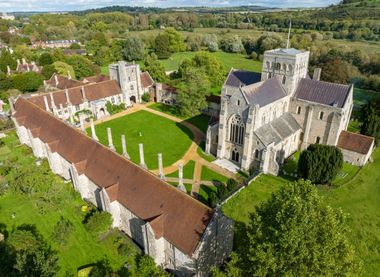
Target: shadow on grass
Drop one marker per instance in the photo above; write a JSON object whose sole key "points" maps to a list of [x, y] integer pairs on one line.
{"points": [[186, 130], [103, 268]]}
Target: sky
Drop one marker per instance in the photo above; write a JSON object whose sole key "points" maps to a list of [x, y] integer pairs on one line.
{"points": [[72, 5]]}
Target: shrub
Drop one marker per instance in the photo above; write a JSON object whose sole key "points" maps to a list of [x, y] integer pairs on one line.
{"points": [[145, 97], [254, 55], [123, 250], [231, 184], [4, 169], [98, 223], [2, 143], [13, 159], [195, 47], [122, 105], [222, 190], [26, 151], [212, 46], [252, 171], [212, 199], [62, 231]]}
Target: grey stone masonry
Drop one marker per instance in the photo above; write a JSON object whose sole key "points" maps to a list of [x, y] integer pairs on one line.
{"points": [[110, 144], [125, 153], [160, 167], [93, 130], [180, 178], [81, 115], [67, 98], [142, 161], [46, 104]]}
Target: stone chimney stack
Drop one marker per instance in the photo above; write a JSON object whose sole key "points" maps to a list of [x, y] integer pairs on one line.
{"points": [[125, 154], [93, 130], [158, 92], [8, 69], [10, 100], [46, 103], [81, 115], [56, 80], [317, 74], [18, 62], [83, 94], [68, 75], [23, 61], [110, 145], [160, 167], [61, 108], [180, 178], [142, 162], [52, 100], [67, 97]]}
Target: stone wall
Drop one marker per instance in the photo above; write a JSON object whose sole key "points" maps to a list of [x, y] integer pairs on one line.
{"points": [[356, 158]]}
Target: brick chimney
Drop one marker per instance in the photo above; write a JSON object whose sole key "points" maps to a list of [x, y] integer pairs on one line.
{"points": [[142, 162], [93, 130], [317, 74]]}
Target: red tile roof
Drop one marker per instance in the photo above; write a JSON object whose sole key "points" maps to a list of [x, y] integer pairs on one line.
{"points": [[96, 79], [355, 142], [63, 82], [146, 80], [181, 219]]}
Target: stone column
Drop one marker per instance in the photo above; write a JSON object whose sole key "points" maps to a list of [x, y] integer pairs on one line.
{"points": [[309, 118], [110, 145], [93, 130], [125, 153], [160, 167], [142, 162], [46, 104], [208, 140], [82, 123], [180, 178]]}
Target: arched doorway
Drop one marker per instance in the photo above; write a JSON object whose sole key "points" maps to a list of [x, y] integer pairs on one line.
{"points": [[235, 155], [102, 113], [133, 99]]}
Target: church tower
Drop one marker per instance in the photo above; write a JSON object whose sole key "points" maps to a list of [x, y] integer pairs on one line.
{"points": [[288, 65]]}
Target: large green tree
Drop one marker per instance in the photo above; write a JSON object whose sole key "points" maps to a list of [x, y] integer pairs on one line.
{"points": [[175, 40], [155, 68], [192, 95], [45, 59], [371, 124], [320, 163], [61, 68], [295, 234], [134, 48], [333, 71], [80, 66], [6, 59], [269, 41], [162, 46]]}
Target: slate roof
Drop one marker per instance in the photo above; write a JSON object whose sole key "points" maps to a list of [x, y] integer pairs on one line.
{"points": [[92, 92], [146, 80], [63, 82], [96, 79], [322, 92], [183, 220], [278, 130], [355, 142], [246, 78], [291, 51], [264, 93]]}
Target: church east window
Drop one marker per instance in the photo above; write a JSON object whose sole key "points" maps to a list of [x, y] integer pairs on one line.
{"points": [[237, 130]]}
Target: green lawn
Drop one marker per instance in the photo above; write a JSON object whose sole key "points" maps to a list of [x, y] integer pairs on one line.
{"points": [[10, 150], [187, 186], [200, 120], [200, 150], [4, 150], [210, 175], [348, 171], [105, 70], [238, 61], [188, 171], [159, 135], [216, 90], [204, 192], [242, 174]]}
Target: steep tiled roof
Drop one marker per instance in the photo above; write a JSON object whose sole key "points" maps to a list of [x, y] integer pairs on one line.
{"points": [[63, 82], [355, 142], [246, 78], [92, 92], [322, 92], [278, 130], [263, 93], [96, 79], [146, 80], [24, 67], [183, 220]]}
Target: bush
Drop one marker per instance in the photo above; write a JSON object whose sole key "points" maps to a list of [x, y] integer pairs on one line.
{"points": [[195, 47], [212, 46], [252, 171], [145, 97], [25, 150], [62, 232], [4, 169], [212, 199], [254, 55], [2, 143], [222, 190], [98, 223], [124, 250], [13, 159], [231, 184], [122, 105]]}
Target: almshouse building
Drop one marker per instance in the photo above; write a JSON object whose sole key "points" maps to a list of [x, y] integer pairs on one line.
{"points": [[180, 233]]}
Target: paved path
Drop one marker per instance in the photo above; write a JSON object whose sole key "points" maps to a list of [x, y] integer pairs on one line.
{"points": [[191, 154]]}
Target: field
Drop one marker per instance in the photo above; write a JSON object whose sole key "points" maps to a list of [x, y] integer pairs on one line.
{"points": [[158, 135], [210, 175], [188, 171], [204, 192]]}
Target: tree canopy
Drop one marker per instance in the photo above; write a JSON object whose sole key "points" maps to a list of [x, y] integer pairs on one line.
{"points": [[80, 66], [175, 40], [61, 68], [155, 68], [162, 46], [134, 48], [371, 124], [333, 71]]}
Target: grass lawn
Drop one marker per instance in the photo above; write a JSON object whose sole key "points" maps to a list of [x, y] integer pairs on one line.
{"points": [[200, 150], [238, 61], [216, 90], [200, 120], [188, 171], [348, 171], [104, 69], [204, 192], [242, 174], [159, 135], [187, 186], [4, 150], [210, 175], [9, 150]]}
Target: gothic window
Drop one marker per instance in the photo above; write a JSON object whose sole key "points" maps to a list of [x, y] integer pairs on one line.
{"points": [[317, 139], [257, 154], [321, 115], [238, 102], [235, 155], [283, 66], [278, 66], [269, 75], [298, 110], [283, 80], [113, 100], [268, 65], [290, 67], [237, 130], [217, 138]]}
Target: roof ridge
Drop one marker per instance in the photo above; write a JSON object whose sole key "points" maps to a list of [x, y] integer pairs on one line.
{"points": [[357, 134]]}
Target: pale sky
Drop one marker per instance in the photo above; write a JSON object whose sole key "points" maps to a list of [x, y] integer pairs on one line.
{"points": [[70, 5]]}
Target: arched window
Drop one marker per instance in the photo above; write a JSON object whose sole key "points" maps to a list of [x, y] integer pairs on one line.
{"points": [[235, 155], [283, 66], [263, 119], [283, 79], [257, 153], [317, 140], [238, 102], [268, 64], [290, 67], [278, 66], [237, 130], [298, 110]]}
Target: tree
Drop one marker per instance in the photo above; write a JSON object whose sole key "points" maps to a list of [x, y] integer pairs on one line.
{"points": [[6, 59], [62, 68], [48, 71], [101, 38], [98, 223], [212, 46], [19, 81], [162, 46], [269, 41], [294, 234], [5, 82], [212, 199], [213, 67], [80, 66], [231, 184], [34, 81], [75, 46], [192, 95], [45, 59], [175, 40], [147, 268], [371, 124], [333, 71], [58, 56], [155, 68], [320, 163], [222, 190], [134, 48], [195, 47]]}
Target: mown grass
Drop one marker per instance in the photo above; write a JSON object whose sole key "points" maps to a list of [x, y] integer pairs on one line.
{"points": [[11, 141], [200, 150], [158, 135], [210, 175], [204, 192], [187, 186], [188, 171]]}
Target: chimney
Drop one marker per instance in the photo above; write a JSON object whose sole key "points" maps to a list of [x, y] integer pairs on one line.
{"points": [[317, 74], [160, 167], [180, 178], [81, 115], [83, 94], [56, 80], [125, 154], [93, 130], [68, 75], [61, 107], [46, 103], [110, 145], [67, 97], [23, 61], [52, 100], [158, 92], [142, 162], [71, 116], [45, 83], [11, 104], [8, 69], [18, 62]]}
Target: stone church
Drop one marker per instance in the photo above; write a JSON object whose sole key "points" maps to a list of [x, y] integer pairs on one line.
{"points": [[266, 117]]}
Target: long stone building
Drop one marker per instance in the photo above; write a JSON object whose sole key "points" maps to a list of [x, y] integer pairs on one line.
{"points": [[266, 117], [181, 234]]}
